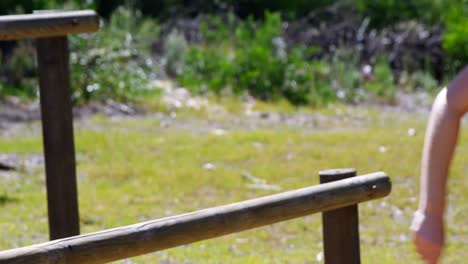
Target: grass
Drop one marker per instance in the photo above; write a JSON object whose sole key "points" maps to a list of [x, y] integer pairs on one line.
{"points": [[132, 170]]}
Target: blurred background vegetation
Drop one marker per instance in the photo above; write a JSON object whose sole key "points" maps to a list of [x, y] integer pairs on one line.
{"points": [[307, 52]]}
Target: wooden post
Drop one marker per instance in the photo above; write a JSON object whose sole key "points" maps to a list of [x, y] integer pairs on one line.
{"points": [[57, 129], [51, 28], [340, 226]]}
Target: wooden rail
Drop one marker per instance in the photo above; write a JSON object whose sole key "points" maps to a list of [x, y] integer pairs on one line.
{"points": [[52, 24], [142, 238]]}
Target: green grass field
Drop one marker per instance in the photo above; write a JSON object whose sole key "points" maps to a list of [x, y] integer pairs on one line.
{"points": [[137, 169]]}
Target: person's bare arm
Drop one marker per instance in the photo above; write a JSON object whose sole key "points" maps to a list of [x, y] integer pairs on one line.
{"points": [[441, 137]]}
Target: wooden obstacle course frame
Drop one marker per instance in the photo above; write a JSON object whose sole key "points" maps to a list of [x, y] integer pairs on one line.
{"points": [[124, 242], [50, 28]]}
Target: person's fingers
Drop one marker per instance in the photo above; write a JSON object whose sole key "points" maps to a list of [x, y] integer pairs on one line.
{"points": [[427, 256], [428, 250]]}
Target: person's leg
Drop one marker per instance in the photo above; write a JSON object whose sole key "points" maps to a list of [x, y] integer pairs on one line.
{"points": [[441, 137]]}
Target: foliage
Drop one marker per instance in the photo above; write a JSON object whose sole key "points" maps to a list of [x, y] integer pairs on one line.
{"points": [[289, 9], [240, 53], [387, 12], [307, 82], [452, 14], [345, 77], [166, 8], [259, 62], [456, 37], [254, 60], [175, 46], [205, 70], [242, 8], [419, 80], [113, 63], [17, 77], [382, 84]]}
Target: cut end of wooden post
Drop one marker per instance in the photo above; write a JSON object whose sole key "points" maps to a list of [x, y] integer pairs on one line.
{"points": [[336, 174]]}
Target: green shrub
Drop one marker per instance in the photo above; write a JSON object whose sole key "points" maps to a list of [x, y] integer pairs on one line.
{"points": [[389, 12], [260, 58], [175, 46], [307, 82], [289, 9], [452, 14], [205, 70], [345, 78], [456, 37], [18, 75], [423, 81], [382, 84], [115, 62], [256, 61]]}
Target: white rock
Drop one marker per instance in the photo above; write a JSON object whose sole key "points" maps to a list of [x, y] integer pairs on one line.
{"points": [[382, 149], [319, 257], [411, 132], [219, 132], [209, 166]]}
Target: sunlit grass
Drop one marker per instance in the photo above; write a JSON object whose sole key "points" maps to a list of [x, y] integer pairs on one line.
{"points": [[132, 170]]}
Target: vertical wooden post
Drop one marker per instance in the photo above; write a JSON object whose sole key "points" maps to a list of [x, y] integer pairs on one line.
{"points": [[340, 226], [57, 127]]}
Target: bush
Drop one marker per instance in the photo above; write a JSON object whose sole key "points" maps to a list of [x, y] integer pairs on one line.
{"points": [[308, 82], [456, 37], [205, 70], [382, 84], [115, 62], [289, 9], [345, 76], [175, 46], [452, 14], [389, 12], [18, 74], [259, 62], [255, 60], [423, 81]]}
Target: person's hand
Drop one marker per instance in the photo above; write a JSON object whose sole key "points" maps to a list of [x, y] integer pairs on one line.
{"points": [[428, 236]]}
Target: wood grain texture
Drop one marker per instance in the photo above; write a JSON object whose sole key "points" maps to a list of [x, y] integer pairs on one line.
{"points": [[43, 24], [340, 227], [142, 238], [57, 127]]}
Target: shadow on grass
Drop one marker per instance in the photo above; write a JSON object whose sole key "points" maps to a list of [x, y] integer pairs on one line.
{"points": [[4, 199]]}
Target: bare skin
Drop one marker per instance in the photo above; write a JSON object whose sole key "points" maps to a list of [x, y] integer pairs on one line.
{"points": [[441, 138]]}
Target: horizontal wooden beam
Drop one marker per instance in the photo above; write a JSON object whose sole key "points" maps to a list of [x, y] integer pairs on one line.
{"points": [[147, 237], [42, 24]]}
